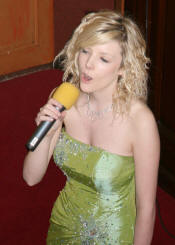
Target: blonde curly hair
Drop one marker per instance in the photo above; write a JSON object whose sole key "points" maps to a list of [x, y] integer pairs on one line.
{"points": [[99, 28]]}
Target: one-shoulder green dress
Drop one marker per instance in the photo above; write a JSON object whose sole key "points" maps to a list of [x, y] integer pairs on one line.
{"points": [[97, 204]]}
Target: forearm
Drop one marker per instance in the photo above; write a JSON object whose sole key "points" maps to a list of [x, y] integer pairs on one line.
{"points": [[144, 227], [36, 162]]}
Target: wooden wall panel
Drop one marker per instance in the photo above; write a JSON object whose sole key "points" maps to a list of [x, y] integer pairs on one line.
{"points": [[120, 5], [26, 34], [33, 31]]}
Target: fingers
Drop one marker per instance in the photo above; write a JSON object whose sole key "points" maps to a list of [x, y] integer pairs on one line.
{"points": [[50, 112]]}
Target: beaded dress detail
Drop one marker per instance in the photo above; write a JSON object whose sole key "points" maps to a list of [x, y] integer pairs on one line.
{"points": [[97, 204]]}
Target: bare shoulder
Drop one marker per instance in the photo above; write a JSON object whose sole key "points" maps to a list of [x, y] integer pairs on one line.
{"points": [[141, 116], [144, 127]]}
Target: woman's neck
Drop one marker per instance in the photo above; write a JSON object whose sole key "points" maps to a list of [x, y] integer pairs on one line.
{"points": [[101, 99]]}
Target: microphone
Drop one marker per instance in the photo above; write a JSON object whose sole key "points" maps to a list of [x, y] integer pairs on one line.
{"points": [[66, 94]]}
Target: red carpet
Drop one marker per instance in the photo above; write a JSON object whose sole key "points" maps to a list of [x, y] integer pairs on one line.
{"points": [[25, 211]]}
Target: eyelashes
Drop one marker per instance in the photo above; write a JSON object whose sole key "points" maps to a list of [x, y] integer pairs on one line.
{"points": [[84, 51], [104, 60]]}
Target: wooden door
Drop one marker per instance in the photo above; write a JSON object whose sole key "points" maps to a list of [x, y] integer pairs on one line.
{"points": [[26, 38]]}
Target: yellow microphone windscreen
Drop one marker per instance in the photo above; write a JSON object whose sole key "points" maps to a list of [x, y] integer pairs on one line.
{"points": [[66, 94]]}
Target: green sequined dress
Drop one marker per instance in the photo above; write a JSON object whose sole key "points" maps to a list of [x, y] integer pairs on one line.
{"points": [[97, 204]]}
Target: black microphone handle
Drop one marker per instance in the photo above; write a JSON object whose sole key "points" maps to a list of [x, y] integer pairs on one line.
{"points": [[40, 132]]}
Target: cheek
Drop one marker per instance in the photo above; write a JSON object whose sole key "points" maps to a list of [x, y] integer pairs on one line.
{"points": [[109, 72], [109, 75], [79, 61]]}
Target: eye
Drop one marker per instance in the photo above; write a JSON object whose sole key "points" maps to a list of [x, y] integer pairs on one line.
{"points": [[84, 51], [104, 60]]}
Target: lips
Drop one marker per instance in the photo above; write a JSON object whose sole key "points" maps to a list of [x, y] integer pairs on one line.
{"points": [[85, 77]]}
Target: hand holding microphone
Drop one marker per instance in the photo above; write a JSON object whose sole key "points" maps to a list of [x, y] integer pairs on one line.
{"points": [[63, 98], [50, 112]]}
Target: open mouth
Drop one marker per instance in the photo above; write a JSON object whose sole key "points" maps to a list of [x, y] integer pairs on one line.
{"points": [[85, 77]]}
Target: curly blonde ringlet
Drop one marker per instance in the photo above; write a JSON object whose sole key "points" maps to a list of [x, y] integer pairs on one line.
{"points": [[99, 28]]}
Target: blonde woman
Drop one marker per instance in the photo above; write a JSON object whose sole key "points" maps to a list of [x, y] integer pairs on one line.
{"points": [[109, 146]]}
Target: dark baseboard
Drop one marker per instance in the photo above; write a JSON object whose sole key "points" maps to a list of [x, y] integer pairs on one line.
{"points": [[7, 77]]}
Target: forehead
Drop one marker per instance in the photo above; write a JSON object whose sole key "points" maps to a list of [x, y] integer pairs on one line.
{"points": [[109, 48]]}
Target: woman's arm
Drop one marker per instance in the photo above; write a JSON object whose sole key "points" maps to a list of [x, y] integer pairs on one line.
{"points": [[36, 162], [146, 149]]}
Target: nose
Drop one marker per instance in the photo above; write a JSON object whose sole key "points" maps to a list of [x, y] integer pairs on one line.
{"points": [[90, 62]]}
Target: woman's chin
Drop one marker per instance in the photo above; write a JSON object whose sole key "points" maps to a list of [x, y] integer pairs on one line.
{"points": [[85, 88]]}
